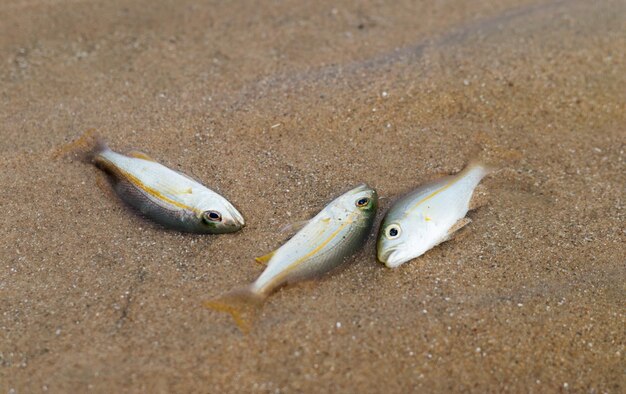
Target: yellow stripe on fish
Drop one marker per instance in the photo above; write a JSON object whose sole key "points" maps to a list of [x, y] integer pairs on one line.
{"points": [[305, 255], [166, 196], [409, 228], [155, 193], [312, 253], [433, 194]]}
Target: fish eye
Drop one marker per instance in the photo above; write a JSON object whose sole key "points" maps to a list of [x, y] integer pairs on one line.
{"points": [[211, 216], [393, 231], [361, 202]]}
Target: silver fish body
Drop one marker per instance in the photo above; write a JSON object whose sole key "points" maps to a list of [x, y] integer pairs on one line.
{"points": [[427, 216], [333, 234], [321, 245], [166, 196]]}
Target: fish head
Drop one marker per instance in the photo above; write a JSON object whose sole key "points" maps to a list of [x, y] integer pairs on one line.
{"points": [[362, 201], [220, 216], [395, 238]]}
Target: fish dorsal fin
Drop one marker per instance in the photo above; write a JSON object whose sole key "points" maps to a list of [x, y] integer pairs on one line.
{"points": [[140, 155], [265, 258], [293, 227]]}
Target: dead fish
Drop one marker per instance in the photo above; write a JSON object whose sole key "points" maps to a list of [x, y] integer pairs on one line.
{"points": [[166, 196], [321, 245], [428, 216]]}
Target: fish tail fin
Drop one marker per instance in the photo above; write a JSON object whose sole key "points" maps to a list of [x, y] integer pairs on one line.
{"points": [[86, 147], [481, 167], [475, 171], [491, 151], [243, 304]]}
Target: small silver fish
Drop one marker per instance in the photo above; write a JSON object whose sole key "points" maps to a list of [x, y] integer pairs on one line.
{"points": [[321, 245], [427, 216], [166, 196]]}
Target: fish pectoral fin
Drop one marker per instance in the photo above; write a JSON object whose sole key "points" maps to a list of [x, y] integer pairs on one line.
{"points": [[180, 191], [457, 226], [140, 155], [174, 190], [293, 227], [265, 258]]}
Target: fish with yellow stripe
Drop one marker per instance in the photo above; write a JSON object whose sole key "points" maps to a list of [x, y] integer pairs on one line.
{"points": [[163, 195], [428, 216], [321, 245]]}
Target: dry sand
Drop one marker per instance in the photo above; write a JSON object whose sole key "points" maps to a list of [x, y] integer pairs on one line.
{"points": [[280, 108]]}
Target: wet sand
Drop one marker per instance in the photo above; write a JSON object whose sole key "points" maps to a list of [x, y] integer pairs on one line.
{"points": [[280, 109]]}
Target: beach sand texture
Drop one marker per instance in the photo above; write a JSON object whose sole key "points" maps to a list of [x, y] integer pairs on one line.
{"points": [[280, 108]]}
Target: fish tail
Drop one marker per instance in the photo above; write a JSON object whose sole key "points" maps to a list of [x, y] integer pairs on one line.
{"points": [[243, 304], [87, 146], [493, 151], [475, 171], [480, 167]]}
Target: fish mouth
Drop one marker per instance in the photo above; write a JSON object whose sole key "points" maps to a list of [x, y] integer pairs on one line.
{"points": [[391, 258], [238, 220]]}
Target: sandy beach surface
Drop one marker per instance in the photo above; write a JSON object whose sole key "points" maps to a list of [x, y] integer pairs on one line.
{"points": [[281, 106]]}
